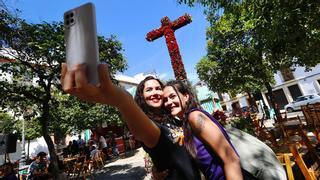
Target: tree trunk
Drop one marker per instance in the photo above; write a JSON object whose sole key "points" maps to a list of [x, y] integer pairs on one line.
{"points": [[251, 102], [100, 124], [273, 104], [44, 127]]}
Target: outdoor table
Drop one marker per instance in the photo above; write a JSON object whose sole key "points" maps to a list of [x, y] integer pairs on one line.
{"points": [[74, 165], [69, 163], [294, 131], [291, 123], [68, 159]]}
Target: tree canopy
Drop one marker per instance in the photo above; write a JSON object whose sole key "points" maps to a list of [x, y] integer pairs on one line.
{"points": [[7, 123], [30, 79], [248, 41], [36, 52], [73, 115]]}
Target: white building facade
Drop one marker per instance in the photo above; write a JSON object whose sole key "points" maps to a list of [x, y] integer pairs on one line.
{"points": [[303, 83], [285, 89]]}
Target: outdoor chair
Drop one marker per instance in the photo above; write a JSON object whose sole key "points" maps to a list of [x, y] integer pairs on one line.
{"points": [[312, 119], [286, 160], [299, 144], [316, 121], [78, 166], [98, 159], [303, 123], [82, 167], [86, 169], [69, 165], [263, 133]]}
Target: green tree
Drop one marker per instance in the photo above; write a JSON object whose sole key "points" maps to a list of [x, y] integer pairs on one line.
{"points": [[231, 63], [7, 123], [76, 116], [36, 52], [274, 35]]}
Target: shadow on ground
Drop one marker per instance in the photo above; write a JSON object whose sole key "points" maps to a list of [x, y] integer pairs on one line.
{"points": [[116, 172], [127, 154], [131, 153]]}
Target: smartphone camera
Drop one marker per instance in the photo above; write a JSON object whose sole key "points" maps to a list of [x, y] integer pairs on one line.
{"points": [[69, 19]]}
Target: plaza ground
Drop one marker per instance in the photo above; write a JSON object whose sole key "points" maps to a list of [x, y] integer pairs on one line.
{"points": [[126, 167]]}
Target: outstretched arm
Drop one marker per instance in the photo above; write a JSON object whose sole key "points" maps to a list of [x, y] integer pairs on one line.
{"points": [[74, 82], [211, 135]]}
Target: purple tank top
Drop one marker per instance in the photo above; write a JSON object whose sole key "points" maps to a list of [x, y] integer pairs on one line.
{"points": [[209, 162]]}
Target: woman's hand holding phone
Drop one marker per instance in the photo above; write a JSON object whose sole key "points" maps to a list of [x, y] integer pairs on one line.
{"points": [[75, 82], [81, 40], [82, 79]]}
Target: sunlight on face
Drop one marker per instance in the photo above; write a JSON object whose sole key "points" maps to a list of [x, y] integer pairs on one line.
{"points": [[152, 93], [174, 102]]}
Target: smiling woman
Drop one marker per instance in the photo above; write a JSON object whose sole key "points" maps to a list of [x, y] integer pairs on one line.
{"points": [[153, 93], [220, 161], [209, 143], [167, 154]]}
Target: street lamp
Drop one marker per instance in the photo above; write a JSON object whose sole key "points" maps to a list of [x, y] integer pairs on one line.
{"points": [[26, 114], [23, 153]]}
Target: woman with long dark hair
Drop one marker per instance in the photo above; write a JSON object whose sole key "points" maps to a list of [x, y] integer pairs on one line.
{"points": [[205, 141], [148, 123], [209, 143]]}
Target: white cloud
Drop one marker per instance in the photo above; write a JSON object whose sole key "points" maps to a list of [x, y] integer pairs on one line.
{"points": [[163, 76]]}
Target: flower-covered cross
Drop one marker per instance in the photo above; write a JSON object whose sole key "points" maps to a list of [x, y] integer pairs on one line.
{"points": [[167, 29]]}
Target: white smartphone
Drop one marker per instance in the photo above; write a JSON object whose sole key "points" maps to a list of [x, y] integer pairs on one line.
{"points": [[81, 39]]}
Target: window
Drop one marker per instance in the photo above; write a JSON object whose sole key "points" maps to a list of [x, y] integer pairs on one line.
{"points": [[294, 91], [287, 74], [303, 98]]}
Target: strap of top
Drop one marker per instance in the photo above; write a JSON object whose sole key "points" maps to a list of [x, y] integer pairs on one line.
{"points": [[216, 123]]}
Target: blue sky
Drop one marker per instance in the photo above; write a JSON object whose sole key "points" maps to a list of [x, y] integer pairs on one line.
{"points": [[130, 21]]}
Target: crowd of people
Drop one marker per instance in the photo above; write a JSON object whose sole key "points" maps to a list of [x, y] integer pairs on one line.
{"points": [[106, 144], [105, 147]]}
